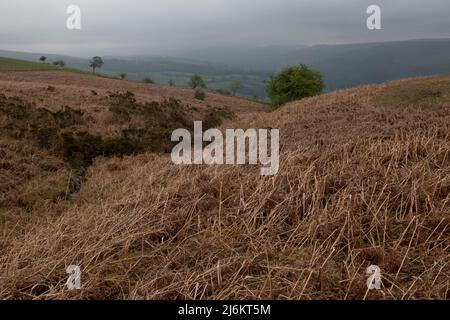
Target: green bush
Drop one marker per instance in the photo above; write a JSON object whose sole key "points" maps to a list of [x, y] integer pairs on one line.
{"points": [[59, 63], [294, 83], [148, 81], [200, 94]]}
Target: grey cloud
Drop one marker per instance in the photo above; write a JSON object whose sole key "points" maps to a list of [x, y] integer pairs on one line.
{"points": [[158, 26]]}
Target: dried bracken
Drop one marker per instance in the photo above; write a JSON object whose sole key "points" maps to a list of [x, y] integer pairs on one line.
{"points": [[362, 181]]}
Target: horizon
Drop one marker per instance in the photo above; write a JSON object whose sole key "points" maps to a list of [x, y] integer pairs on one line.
{"points": [[167, 55]]}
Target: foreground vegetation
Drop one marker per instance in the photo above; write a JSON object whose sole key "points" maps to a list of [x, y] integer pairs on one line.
{"points": [[364, 180]]}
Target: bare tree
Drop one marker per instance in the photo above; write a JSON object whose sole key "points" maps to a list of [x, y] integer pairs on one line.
{"points": [[236, 86]]}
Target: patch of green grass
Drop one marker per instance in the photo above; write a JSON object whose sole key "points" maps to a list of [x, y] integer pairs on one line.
{"points": [[40, 190], [7, 64], [421, 93], [6, 216], [89, 73]]}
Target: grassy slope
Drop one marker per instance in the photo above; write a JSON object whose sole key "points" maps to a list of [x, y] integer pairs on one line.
{"points": [[364, 179], [421, 92], [7, 64], [181, 79]]}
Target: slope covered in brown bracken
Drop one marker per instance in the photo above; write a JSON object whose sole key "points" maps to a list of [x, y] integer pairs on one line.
{"points": [[364, 180]]}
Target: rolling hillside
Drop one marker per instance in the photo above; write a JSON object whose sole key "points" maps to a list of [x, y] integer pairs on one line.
{"points": [[163, 69], [8, 64], [364, 180]]}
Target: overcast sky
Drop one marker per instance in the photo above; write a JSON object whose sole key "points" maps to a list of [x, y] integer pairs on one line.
{"points": [[127, 27]]}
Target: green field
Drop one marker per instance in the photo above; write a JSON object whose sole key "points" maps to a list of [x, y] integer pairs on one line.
{"points": [[7, 64]]}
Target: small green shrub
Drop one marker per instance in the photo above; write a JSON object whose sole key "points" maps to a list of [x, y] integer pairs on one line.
{"points": [[200, 94], [148, 81], [197, 82]]}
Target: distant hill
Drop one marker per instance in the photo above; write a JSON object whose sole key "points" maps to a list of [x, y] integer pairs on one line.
{"points": [[350, 65], [266, 58], [345, 65]]}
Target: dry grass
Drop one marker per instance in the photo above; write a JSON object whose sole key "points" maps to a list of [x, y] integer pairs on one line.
{"points": [[359, 184]]}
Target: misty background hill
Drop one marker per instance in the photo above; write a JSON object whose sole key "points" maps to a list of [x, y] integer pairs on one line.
{"points": [[343, 66]]}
